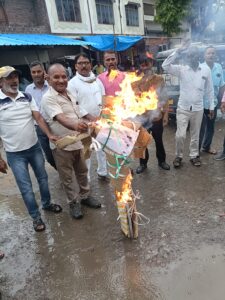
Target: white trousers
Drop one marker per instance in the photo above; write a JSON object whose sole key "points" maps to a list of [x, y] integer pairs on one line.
{"points": [[183, 119], [102, 164]]}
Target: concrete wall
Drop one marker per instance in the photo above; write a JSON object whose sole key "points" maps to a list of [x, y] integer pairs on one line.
{"points": [[89, 24], [24, 16]]}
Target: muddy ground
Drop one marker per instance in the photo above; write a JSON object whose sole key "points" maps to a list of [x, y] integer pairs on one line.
{"points": [[179, 255]]}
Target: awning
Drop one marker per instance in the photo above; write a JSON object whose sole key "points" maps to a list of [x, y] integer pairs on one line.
{"points": [[111, 42], [18, 39]]}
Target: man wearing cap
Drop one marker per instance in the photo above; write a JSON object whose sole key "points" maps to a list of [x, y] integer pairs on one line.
{"points": [[17, 114], [37, 89]]}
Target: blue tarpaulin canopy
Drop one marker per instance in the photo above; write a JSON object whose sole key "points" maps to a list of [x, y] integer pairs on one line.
{"points": [[18, 39], [111, 42]]}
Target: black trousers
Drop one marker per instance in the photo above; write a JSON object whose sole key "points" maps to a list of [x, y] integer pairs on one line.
{"points": [[157, 133]]}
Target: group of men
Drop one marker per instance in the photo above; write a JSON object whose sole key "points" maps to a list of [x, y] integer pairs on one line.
{"points": [[200, 88], [54, 106]]}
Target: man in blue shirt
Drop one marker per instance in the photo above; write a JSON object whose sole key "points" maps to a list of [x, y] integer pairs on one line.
{"points": [[207, 127], [37, 89]]}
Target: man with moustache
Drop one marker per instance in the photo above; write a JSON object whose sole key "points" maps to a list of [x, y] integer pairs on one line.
{"points": [[195, 82], [154, 120], [112, 77], [65, 118], [207, 128], [37, 89], [17, 114], [88, 91]]}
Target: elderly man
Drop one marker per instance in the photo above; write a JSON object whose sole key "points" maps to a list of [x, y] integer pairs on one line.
{"points": [[37, 89], [207, 128], [195, 81], [88, 92], [17, 114], [64, 118], [111, 82]]}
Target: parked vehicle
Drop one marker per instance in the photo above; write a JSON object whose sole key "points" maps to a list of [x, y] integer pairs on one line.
{"points": [[172, 82]]}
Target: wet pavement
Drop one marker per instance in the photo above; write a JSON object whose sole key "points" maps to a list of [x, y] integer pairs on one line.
{"points": [[179, 255]]}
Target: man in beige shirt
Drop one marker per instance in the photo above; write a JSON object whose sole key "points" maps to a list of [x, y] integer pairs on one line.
{"points": [[65, 118]]}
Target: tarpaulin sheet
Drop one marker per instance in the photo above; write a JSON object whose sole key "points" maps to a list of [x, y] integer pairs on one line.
{"points": [[17, 39], [111, 42]]}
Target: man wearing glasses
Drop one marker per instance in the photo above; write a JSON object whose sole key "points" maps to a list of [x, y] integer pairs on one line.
{"points": [[88, 91]]}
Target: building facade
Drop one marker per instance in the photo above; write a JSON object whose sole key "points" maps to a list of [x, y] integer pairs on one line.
{"points": [[86, 17]]}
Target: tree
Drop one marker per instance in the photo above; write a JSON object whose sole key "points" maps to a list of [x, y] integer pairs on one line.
{"points": [[171, 13]]}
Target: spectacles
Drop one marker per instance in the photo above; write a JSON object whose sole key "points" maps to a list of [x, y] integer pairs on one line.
{"points": [[85, 63]]}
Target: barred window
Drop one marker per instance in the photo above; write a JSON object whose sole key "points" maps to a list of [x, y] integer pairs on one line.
{"points": [[149, 9], [104, 10], [68, 10], [132, 14]]}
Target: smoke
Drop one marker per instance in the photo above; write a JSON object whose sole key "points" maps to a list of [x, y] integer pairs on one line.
{"points": [[207, 20], [147, 119]]}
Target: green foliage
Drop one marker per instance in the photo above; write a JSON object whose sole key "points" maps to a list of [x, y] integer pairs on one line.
{"points": [[170, 14]]}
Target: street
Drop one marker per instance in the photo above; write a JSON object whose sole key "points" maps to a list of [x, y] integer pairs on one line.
{"points": [[179, 254]]}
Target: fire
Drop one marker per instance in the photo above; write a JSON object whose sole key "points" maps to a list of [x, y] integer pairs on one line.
{"points": [[126, 194], [128, 103]]}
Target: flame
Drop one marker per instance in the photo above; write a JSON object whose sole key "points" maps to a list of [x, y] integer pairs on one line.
{"points": [[127, 103], [126, 194]]}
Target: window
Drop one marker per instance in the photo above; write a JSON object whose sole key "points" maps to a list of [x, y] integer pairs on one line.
{"points": [[104, 10], [149, 9], [132, 14], [68, 10]]}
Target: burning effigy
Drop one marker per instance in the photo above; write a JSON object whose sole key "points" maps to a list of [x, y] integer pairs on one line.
{"points": [[122, 138]]}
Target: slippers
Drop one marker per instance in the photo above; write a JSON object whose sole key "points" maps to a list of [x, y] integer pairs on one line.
{"points": [[213, 152], [55, 208], [38, 225], [195, 161]]}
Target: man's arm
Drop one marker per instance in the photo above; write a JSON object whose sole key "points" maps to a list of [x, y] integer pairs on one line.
{"points": [[3, 165], [169, 66], [44, 126], [209, 93], [79, 125], [222, 107]]}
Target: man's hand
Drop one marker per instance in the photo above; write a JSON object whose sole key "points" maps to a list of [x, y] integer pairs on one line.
{"points": [[222, 107], [3, 166], [91, 118], [81, 126], [184, 45], [165, 119], [53, 138], [211, 114]]}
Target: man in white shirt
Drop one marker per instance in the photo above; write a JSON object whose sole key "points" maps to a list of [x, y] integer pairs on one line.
{"points": [[37, 89], [17, 114], [195, 81], [88, 91]]}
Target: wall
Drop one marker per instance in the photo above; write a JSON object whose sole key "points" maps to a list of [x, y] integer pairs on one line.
{"points": [[89, 24], [24, 16]]}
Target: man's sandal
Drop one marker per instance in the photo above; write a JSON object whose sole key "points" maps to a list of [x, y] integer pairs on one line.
{"points": [[55, 208], [39, 225], [213, 152], [177, 163], [195, 161]]}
